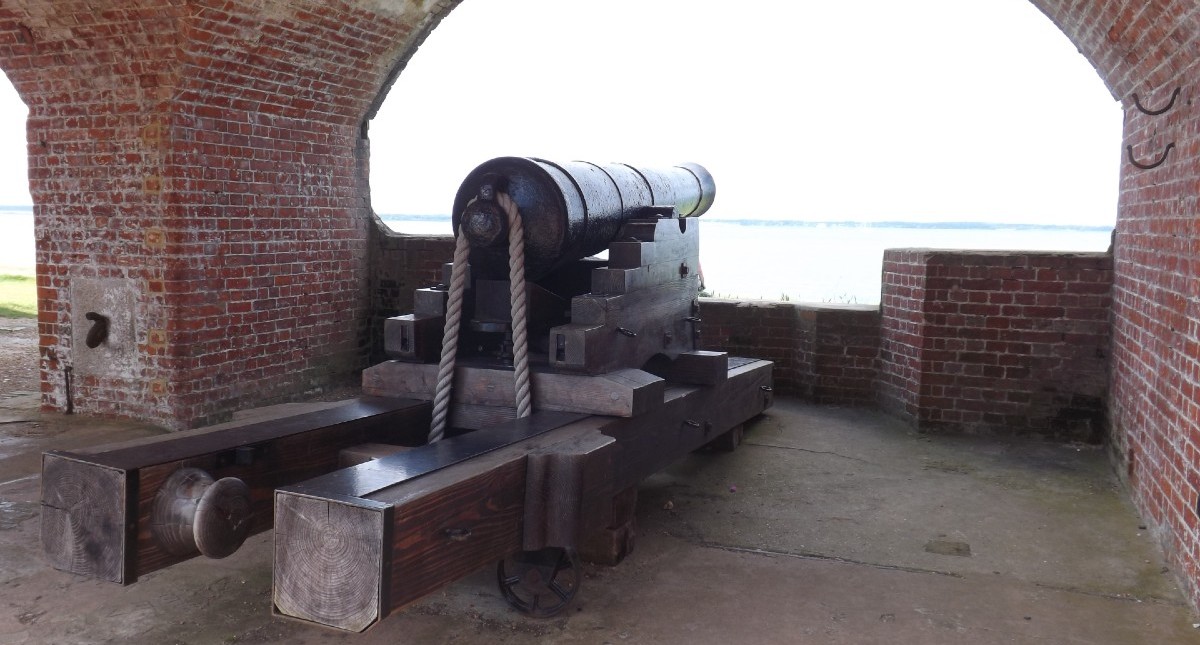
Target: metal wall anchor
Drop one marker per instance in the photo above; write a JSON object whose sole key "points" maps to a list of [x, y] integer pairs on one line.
{"points": [[99, 331], [1154, 164], [1145, 110]]}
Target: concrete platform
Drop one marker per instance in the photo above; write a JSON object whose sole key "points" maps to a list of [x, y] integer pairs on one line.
{"points": [[828, 526]]}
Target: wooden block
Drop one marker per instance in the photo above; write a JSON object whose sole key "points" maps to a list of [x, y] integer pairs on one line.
{"points": [[567, 495], [610, 544], [622, 392], [85, 513], [616, 281], [620, 331], [303, 529], [431, 302], [631, 310], [413, 337], [699, 368], [672, 242], [402, 537], [98, 504], [729, 441]]}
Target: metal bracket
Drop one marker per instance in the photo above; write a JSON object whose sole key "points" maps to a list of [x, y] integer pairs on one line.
{"points": [[1152, 165], [99, 331], [1163, 110]]}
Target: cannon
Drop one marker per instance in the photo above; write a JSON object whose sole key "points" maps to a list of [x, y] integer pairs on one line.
{"points": [[576, 303], [520, 406], [570, 210]]}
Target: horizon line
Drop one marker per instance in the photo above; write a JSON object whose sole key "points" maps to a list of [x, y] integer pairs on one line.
{"points": [[948, 224]]}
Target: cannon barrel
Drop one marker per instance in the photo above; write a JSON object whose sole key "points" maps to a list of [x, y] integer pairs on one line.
{"points": [[569, 210]]}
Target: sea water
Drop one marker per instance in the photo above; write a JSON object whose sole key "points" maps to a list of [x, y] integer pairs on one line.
{"points": [[834, 262], [802, 262]]}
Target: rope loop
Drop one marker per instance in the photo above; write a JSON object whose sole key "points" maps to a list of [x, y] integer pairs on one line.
{"points": [[518, 307]]}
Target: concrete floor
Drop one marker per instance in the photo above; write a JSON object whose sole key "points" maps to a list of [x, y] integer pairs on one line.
{"points": [[828, 525]]}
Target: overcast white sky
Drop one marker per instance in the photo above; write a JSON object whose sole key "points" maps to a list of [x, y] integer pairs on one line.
{"points": [[933, 110], [937, 110]]}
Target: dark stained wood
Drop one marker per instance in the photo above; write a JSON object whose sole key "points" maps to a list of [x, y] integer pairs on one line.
{"points": [[365, 479], [699, 368], [729, 441], [446, 523], [691, 417], [567, 493], [610, 545], [452, 521], [620, 392], [362, 453], [264, 455], [616, 281], [413, 337], [373, 413], [480, 417], [597, 340], [669, 243]]}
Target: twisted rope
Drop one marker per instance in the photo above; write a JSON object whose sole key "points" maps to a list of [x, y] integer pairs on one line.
{"points": [[517, 304], [445, 377], [516, 299]]}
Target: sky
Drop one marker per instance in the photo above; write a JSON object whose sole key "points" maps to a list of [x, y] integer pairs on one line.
{"points": [[924, 110]]}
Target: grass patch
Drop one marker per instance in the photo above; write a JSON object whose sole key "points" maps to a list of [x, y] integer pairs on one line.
{"points": [[18, 296]]}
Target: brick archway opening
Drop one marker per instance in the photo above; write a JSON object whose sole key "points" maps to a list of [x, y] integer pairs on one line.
{"points": [[850, 128]]}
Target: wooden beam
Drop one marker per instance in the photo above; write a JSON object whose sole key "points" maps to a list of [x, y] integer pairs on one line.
{"points": [[673, 239], [609, 332], [609, 280], [98, 503], [622, 392], [447, 523], [699, 368], [567, 492]]}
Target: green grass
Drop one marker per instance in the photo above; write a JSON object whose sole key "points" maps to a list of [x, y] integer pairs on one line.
{"points": [[18, 296]]}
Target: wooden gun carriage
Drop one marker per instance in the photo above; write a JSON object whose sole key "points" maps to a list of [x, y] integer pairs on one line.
{"points": [[523, 403]]}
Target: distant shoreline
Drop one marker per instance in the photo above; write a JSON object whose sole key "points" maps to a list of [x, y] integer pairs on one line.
{"points": [[959, 225], [956, 225]]}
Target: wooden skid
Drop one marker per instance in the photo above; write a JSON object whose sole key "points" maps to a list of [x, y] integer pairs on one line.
{"points": [[409, 536], [622, 393], [97, 503]]}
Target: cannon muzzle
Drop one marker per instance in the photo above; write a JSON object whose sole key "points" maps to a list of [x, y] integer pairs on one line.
{"points": [[569, 210]]}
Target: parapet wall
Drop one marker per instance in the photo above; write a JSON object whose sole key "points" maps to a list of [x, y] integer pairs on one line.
{"points": [[997, 340], [977, 341], [823, 353]]}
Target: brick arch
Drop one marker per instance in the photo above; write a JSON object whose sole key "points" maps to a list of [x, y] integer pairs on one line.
{"points": [[197, 168]]}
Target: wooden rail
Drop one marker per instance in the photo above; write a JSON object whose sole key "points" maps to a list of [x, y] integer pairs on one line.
{"points": [[97, 504]]}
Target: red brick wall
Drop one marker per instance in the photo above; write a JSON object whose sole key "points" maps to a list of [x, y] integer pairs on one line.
{"points": [[902, 295], [400, 264], [823, 353], [199, 175], [1148, 48], [997, 341], [197, 170]]}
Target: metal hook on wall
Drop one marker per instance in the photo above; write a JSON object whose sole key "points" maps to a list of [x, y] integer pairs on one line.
{"points": [[1145, 110], [1154, 164]]}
